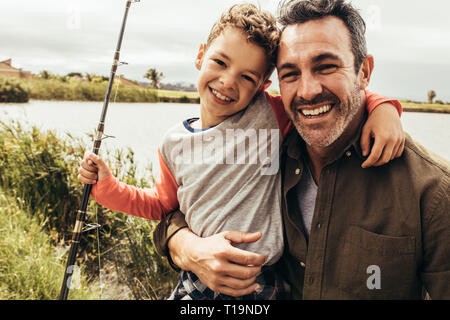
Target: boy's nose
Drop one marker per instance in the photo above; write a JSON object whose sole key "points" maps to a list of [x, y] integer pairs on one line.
{"points": [[228, 81]]}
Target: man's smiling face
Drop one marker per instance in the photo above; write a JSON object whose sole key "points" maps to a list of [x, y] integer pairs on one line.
{"points": [[318, 83]]}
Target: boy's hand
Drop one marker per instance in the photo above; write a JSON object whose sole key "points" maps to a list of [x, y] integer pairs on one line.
{"points": [[92, 169], [385, 127]]}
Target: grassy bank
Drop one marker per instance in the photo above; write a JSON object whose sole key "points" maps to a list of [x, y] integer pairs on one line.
{"points": [[38, 170], [13, 90], [425, 107], [74, 89], [30, 266]]}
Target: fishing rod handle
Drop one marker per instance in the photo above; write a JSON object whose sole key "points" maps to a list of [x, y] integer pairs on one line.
{"points": [[76, 235]]}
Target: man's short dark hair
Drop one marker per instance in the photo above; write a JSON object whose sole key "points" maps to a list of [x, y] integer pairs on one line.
{"points": [[301, 11]]}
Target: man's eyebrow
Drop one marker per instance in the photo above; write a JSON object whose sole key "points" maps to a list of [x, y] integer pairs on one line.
{"points": [[325, 56], [316, 59], [286, 65]]}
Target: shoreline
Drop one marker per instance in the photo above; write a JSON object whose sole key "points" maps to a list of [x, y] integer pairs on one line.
{"points": [[425, 110], [407, 107], [183, 100]]}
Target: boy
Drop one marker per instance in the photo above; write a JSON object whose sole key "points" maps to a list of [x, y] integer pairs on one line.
{"points": [[221, 169]]}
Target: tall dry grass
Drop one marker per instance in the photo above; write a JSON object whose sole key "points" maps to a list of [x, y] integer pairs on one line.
{"points": [[39, 170]]}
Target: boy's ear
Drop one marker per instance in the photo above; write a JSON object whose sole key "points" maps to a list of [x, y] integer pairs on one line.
{"points": [[365, 72], [200, 55]]}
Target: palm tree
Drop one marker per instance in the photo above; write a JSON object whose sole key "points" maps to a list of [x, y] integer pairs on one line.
{"points": [[154, 76], [431, 96]]}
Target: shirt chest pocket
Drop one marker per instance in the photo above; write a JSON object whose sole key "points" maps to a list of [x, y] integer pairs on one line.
{"points": [[375, 266]]}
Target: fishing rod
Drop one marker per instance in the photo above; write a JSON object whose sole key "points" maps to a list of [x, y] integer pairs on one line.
{"points": [[81, 213]]}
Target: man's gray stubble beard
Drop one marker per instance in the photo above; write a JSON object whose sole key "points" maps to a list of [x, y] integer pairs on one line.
{"points": [[340, 127]]}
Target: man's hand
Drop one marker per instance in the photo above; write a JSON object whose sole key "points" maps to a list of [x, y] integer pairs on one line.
{"points": [[385, 127], [218, 265]]}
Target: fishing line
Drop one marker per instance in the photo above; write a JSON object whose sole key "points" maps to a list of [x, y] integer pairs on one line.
{"points": [[81, 213]]}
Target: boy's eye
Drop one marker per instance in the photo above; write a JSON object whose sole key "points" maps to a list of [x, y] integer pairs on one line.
{"points": [[220, 62], [249, 78]]}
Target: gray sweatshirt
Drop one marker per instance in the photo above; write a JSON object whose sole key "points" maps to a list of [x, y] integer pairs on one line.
{"points": [[228, 175]]}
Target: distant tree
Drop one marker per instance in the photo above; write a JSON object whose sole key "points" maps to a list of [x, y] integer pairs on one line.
{"points": [[75, 74], [44, 74], [431, 96], [155, 77], [12, 90], [90, 76]]}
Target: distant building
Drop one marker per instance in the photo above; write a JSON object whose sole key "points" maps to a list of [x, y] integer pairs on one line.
{"points": [[180, 86], [7, 70]]}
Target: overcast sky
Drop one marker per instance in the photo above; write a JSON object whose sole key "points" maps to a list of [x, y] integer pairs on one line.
{"points": [[409, 39]]}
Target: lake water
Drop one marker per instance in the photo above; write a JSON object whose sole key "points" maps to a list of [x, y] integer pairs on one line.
{"points": [[141, 126]]}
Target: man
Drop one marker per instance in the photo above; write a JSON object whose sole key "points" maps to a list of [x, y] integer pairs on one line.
{"points": [[351, 233]]}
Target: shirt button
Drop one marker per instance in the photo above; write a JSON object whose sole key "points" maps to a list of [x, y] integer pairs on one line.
{"points": [[297, 171], [318, 226], [348, 153], [302, 264]]}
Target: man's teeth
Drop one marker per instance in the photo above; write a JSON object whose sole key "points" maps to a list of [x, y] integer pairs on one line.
{"points": [[317, 111], [220, 96]]}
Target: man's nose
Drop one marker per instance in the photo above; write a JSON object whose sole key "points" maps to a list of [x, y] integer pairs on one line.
{"points": [[309, 87]]}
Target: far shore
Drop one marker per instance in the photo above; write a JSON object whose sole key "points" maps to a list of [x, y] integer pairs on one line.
{"points": [[425, 107], [425, 110], [166, 96]]}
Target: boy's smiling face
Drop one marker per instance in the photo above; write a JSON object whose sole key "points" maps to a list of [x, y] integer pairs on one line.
{"points": [[232, 70]]}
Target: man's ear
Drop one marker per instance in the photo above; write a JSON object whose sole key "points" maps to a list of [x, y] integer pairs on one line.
{"points": [[265, 85], [365, 72], [200, 55]]}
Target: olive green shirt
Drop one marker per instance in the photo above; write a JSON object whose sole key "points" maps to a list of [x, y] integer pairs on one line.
{"points": [[377, 233]]}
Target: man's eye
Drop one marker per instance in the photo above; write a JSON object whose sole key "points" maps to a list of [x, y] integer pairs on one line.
{"points": [[327, 68], [289, 76]]}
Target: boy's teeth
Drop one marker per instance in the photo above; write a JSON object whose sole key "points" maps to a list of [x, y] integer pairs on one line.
{"points": [[220, 96], [317, 111]]}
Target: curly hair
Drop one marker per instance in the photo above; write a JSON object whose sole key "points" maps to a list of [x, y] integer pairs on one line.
{"points": [[259, 27]]}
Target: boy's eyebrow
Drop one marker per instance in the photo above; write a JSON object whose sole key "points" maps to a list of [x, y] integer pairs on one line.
{"points": [[224, 55], [255, 73]]}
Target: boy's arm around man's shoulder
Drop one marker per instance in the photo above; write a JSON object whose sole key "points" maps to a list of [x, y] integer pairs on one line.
{"points": [[373, 101]]}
